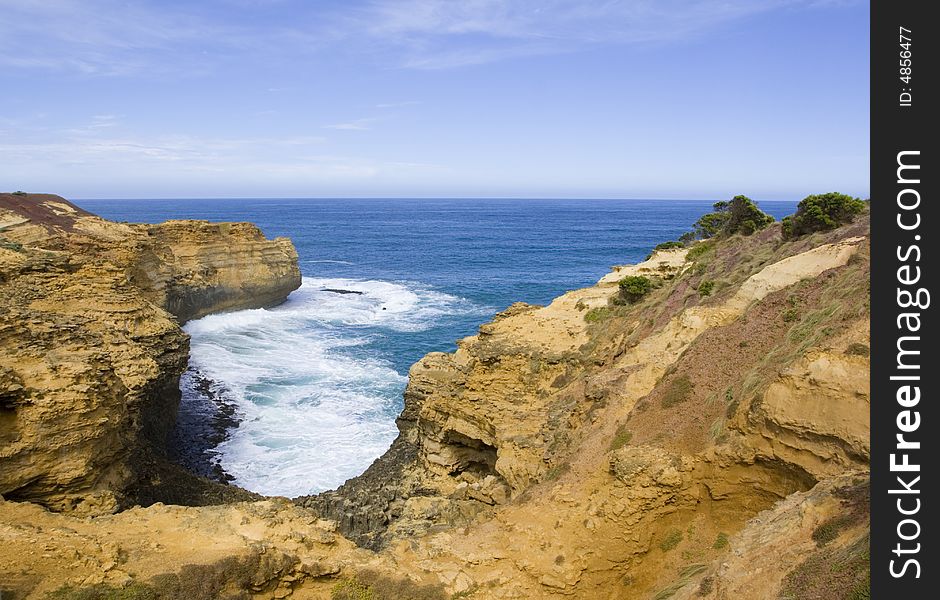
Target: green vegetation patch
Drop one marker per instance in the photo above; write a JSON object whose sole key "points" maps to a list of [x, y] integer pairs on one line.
{"points": [[134, 591], [369, 585], [834, 574], [8, 245], [677, 391], [738, 215], [671, 540], [721, 541], [699, 250], [621, 438], [705, 287], [857, 349], [634, 287], [670, 245], [822, 212], [596, 314]]}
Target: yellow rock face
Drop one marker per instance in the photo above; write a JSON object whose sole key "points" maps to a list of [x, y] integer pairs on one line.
{"points": [[90, 338]]}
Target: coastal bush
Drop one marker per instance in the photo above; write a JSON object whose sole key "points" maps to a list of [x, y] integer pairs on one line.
{"points": [[666, 246], [857, 349], [821, 212], [621, 438], [369, 585], [833, 572], [634, 287], [671, 540], [669, 245], [721, 541], [134, 591], [831, 528], [596, 314], [699, 250], [705, 287], [677, 392], [8, 245], [738, 215], [19, 193]]}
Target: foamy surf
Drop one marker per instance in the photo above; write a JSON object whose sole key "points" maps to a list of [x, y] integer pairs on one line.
{"points": [[315, 398]]}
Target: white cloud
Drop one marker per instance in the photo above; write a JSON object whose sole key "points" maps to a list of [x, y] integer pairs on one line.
{"points": [[436, 34], [116, 37], [356, 125], [398, 104]]}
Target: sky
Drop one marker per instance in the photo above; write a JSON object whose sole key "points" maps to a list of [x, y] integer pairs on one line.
{"points": [[434, 98]]}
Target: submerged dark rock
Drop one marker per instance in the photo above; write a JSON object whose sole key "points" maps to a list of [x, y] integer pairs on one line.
{"points": [[339, 291]]}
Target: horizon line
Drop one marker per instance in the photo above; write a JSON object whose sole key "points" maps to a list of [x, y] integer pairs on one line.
{"points": [[410, 198]]}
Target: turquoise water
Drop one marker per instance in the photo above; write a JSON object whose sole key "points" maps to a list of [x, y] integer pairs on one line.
{"points": [[317, 381]]}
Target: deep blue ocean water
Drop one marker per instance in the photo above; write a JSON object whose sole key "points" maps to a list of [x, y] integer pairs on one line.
{"points": [[318, 380]]}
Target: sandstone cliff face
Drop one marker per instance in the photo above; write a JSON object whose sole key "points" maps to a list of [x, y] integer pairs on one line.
{"points": [[688, 445], [91, 344]]}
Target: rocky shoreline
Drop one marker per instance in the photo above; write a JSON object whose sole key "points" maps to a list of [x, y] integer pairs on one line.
{"points": [[205, 419]]}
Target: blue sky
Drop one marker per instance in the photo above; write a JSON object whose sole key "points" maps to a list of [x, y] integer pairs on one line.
{"points": [[248, 98]]}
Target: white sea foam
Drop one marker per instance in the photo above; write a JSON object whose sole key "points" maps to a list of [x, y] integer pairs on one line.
{"points": [[315, 408]]}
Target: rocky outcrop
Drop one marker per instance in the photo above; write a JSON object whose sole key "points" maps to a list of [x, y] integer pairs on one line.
{"points": [[91, 342]]}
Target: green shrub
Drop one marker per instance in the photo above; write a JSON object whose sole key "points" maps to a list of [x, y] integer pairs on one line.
{"points": [[706, 586], [678, 391], [710, 224], [857, 349], [744, 217], [634, 287], [669, 245], [19, 193], [352, 589], [738, 215], [698, 250], [671, 540], [370, 585], [134, 591], [7, 244], [821, 212], [596, 314], [621, 438], [721, 541], [830, 529], [705, 287]]}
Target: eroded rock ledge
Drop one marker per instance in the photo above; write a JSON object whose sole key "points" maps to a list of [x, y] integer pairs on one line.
{"points": [[91, 347]]}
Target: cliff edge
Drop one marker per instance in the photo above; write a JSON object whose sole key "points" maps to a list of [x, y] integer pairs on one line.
{"points": [[92, 348]]}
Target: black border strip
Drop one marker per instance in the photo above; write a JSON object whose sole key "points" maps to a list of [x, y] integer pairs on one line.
{"points": [[904, 266]]}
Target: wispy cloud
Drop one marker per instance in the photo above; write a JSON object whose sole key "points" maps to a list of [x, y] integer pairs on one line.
{"points": [[356, 125], [439, 34], [117, 37], [398, 104], [102, 144]]}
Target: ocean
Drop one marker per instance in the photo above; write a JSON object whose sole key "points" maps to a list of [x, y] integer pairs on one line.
{"points": [[315, 384]]}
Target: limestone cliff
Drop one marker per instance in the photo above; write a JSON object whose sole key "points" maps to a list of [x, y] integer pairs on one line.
{"points": [[710, 440], [91, 342]]}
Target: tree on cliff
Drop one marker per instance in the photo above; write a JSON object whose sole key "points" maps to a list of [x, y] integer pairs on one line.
{"points": [[738, 215], [821, 212]]}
